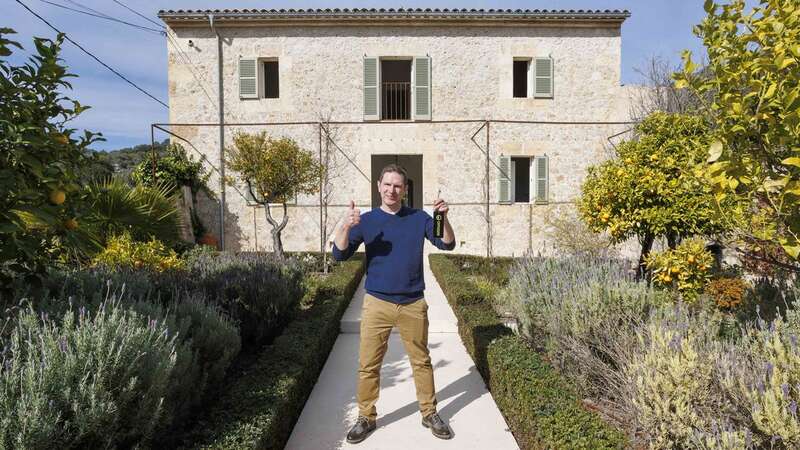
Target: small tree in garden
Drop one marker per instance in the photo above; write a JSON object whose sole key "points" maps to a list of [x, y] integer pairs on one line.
{"points": [[176, 168], [275, 170], [40, 160], [650, 189], [753, 81]]}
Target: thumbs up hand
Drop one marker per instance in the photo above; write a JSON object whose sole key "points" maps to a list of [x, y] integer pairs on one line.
{"points": [[352, 217]]}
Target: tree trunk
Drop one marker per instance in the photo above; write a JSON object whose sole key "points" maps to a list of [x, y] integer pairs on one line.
{"points": [[673, 240], [277, 228], [647, 245]]}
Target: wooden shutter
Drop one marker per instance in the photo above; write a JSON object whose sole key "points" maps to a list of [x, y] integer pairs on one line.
{"points": [[371, 110], [422, 88], [541, 179], [543, 77], [248, 78], [504, 180]]}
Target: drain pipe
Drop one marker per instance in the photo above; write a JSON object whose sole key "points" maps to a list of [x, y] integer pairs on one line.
{"points": [[221, 136]]}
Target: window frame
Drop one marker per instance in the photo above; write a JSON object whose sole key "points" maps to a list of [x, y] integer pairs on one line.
{"points": [[261, 77], [528, 75]]}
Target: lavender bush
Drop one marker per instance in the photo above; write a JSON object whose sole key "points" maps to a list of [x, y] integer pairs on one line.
{"points": [[89, 381], [258, 290], [583, 311]]}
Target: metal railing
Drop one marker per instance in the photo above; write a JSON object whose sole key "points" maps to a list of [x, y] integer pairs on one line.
{"points": [[396, 100]]}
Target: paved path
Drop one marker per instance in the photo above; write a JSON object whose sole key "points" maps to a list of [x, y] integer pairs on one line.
{"points": [[463, 400]]}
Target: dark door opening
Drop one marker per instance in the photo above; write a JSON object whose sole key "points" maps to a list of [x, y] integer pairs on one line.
{"points": [[413, 166]]}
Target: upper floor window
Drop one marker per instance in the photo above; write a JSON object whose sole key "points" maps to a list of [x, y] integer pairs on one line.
{"points": [[397, 88], [259, 78], [523, 179], [533, 77]]}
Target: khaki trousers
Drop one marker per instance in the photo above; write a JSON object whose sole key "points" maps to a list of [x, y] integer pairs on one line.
{"points": [[378, 317]]}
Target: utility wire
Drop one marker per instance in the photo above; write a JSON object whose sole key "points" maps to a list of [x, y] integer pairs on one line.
{"points": [[90, 54], [139, 14], [190, 66], [199, 79], [103, 16]]}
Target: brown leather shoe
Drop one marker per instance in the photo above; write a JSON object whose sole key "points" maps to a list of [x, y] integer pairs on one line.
{"points": [[438, 427], [360, 430]]}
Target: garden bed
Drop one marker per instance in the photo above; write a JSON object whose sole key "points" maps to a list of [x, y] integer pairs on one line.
{"points": [[260, 407], [541, 408]]}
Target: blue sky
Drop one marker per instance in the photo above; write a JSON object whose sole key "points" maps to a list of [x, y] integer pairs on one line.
{"points": [[656, 28]]}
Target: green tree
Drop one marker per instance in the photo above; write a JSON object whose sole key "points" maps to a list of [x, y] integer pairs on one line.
{"points": [[651, 189], [753, 82], [274, 170], [174, 167], [40, 159]]}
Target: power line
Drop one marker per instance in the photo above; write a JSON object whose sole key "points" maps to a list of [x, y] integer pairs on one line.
{"points": [[190, 66], [90, 54], [139, 14], [102, 16]]}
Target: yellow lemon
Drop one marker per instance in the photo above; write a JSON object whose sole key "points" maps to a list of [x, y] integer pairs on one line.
{"points": [[61, 139], [690, 258], [675, 270], [57, 197]]}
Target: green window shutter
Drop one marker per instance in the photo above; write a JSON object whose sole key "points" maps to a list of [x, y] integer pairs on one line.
{"points": [[371, 89], [504, 180], [543, 77], [422, 88], [248, 78], [542, 179]]}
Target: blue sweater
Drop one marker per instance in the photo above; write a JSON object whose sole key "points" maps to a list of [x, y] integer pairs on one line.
{"points": [[394, 252]]}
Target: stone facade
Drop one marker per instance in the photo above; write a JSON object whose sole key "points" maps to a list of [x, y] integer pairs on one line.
{"points": [[321, 73]]}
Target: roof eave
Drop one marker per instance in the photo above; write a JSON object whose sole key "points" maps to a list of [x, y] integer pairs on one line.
{"points": [[418, 18]]}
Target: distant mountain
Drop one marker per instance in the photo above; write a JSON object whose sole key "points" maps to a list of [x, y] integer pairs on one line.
{"points": [[121, 162]]}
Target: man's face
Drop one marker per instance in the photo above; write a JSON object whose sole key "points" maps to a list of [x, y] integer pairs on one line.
{"points": [[392, 188]]}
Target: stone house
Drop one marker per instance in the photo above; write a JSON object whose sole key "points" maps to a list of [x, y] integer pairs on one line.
{"points": [[501, 111]]}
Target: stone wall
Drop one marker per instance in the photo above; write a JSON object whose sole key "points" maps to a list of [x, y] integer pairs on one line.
{"points": [[321, 73]]}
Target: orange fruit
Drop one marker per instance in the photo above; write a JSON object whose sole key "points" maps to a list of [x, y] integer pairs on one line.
{"points": [[57, 197], [71, 224], [690, 258], [62, 139]]}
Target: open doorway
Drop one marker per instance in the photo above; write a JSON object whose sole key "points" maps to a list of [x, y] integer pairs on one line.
{"points": [[413, 166]]}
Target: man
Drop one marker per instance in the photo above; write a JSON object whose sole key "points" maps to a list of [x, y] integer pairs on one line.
{"points": [[394, 236]]}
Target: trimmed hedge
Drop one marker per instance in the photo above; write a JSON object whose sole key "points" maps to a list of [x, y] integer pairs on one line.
{"points": [[260, 408], [541, 407]]}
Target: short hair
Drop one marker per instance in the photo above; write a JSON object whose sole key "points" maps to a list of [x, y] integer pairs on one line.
{"points": [[396, 168]]}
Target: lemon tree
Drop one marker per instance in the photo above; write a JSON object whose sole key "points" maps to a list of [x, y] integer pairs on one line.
{"points": [[40, 158], [753, 82], [275, 171], [651, 188]]}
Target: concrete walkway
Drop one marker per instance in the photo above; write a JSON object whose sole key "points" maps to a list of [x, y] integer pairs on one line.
{"points": [[463, 400]]}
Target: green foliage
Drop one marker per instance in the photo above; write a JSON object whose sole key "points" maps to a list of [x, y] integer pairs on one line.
{"points": [[753, 80], [123, 161], [673, 379], [260, 407], [38, 155], [175, 168], [650, 189], [686, 269], [259, 291], [277, 169], [761, 376], [92, 381], [274, 170], [541, 408], [144, 212], [123, 252]]}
